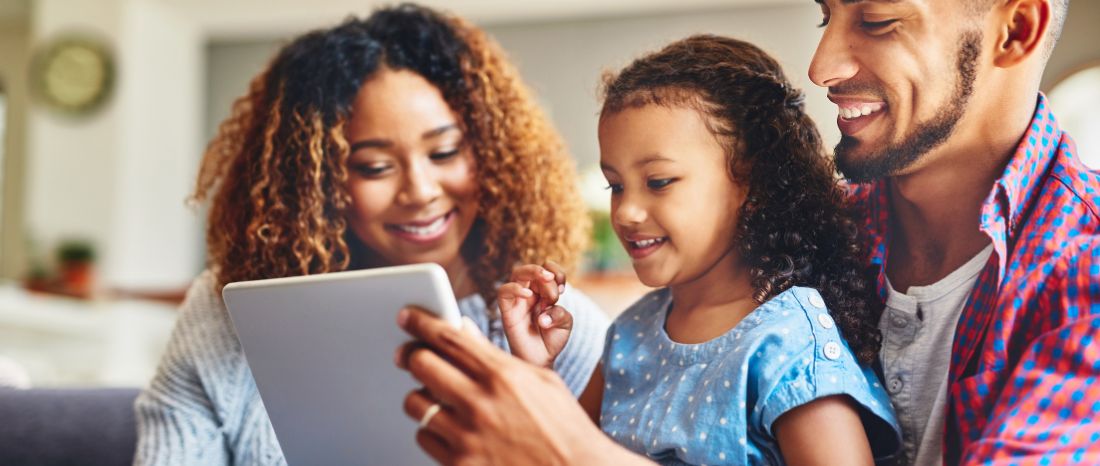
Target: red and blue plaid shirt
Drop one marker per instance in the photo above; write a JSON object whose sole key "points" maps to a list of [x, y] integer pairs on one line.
{"points": [[1026, 356]]}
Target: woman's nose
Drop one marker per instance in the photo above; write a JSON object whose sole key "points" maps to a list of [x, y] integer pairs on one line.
{"points": [[421, 185]]}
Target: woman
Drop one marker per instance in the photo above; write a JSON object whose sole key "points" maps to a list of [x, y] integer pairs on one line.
{"points": [[402, 138]]}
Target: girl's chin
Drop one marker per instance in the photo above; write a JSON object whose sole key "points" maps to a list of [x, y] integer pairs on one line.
{"points": [[650, 278]]}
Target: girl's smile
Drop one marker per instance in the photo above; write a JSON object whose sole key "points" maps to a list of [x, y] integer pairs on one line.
{"points": [[640, 247]]}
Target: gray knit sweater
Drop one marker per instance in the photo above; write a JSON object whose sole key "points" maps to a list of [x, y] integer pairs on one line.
{"points": [[202, 407]]}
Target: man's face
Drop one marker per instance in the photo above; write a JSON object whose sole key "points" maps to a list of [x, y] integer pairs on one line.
{"points": [[901, 73]]}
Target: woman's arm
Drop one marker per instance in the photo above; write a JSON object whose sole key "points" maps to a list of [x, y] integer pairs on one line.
{"points": [[825, 431], [176, 422]]}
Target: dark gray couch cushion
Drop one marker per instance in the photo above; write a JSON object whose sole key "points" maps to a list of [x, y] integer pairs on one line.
{"points": [[67, 426]]}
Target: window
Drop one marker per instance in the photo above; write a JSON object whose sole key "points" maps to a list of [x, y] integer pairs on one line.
{"points": [[1075, 99]]}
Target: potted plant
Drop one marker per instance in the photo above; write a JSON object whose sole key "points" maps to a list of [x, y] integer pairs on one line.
{"points": [[76, 261]]}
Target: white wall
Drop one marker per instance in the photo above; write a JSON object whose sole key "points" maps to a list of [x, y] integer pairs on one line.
{"points": [[1079, 45], [152, 240], [562, 60], [119, 177], [14, 37], [230, 67]]}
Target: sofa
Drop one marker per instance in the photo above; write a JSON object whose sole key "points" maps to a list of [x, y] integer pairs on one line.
{"points": [[47, 427]]}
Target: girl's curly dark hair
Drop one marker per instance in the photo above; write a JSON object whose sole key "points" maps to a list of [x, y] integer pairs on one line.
{"points": [[795, 227], [276, 172]]}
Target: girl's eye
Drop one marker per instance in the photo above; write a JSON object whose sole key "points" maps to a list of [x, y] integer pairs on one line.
{"points": [[660, 183], [439, 156], [615, 188], [824, 22], [875, 26]]}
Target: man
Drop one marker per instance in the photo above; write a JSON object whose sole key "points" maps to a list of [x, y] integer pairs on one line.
{"points": [[977, 206], [983, 223]]}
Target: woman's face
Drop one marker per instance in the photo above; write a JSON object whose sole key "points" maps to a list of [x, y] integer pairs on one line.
{"points": [[410, 174]]}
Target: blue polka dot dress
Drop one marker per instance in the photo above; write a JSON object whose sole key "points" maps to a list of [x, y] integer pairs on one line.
{"points": [[715, 402]]}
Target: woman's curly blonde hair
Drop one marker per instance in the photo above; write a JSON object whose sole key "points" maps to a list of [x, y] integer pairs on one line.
{"points": [[276, 173]]}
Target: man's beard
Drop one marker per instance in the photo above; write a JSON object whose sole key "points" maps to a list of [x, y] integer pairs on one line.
{"points": [[895, 157]]}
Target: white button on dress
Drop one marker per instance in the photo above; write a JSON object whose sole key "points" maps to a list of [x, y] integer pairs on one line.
{"points": [[832, 350], [816, 301], [825, 320]]}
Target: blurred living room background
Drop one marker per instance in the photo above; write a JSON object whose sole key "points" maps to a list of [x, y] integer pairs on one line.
{"points": [[106, 106]]}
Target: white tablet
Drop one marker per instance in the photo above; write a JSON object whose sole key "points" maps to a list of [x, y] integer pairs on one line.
{"points": [[321, 350]]}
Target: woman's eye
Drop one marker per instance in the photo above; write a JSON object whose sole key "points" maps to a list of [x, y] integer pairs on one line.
{"points": [[438, 156], [824, 22], [660, 183], [370, 170], [876, 25], [614, 188]]}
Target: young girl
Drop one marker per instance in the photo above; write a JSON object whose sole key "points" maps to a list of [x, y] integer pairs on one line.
{"points": [[756, 348]]}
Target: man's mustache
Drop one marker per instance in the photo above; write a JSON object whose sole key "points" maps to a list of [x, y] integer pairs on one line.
{"points": [[858, 89]]}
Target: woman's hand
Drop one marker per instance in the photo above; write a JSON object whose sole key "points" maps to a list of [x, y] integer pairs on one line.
{"points": [[496, 409], [537, 329]]}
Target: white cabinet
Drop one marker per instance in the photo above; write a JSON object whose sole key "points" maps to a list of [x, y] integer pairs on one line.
{"points": [[69, 342]]}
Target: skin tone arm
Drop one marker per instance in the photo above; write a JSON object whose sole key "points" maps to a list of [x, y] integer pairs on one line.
{"points": [[592, 397], [804, 442], [496, 409]]}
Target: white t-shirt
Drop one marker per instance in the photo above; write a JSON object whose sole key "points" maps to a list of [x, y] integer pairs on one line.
{"points": [[918, 328]]}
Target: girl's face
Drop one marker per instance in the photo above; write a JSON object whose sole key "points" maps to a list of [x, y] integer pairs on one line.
{"points": [[673, 205], [410, 175]]}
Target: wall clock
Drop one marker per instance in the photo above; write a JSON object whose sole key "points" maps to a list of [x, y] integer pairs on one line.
{"points": [[74, 75]]}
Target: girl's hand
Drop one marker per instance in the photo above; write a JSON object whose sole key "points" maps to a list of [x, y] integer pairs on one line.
{"points": [[537, 329]]}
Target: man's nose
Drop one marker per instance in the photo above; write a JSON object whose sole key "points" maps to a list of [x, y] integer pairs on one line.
{"points": [[833, 61]]}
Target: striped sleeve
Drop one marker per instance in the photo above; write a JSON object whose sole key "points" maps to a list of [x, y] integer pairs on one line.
{"points": [[585, 346], [176, 418]]}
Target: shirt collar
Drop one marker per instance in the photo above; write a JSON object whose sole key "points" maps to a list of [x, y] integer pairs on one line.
{"points": [[1008, 200], [1014, 192]]}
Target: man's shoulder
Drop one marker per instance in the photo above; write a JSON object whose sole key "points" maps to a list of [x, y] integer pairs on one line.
{"points": [[1074, 182], [1065, 210]]}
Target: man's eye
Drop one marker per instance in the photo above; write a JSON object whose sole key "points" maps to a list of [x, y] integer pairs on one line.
{"points": [[876, 25]]}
